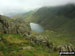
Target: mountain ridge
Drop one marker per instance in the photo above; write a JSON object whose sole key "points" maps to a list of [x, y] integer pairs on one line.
{"points": [[55, 18]]}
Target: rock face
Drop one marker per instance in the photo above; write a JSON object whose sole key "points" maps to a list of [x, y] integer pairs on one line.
{"points": [[28, 47], [3, 25], [68, 47], [8, 25]]}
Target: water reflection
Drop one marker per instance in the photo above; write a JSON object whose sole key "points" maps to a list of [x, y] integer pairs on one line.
{"points": [[36, 27]]}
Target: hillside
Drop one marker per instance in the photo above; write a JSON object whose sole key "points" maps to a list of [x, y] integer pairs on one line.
{"points": [[17, 38], [60, 18]]}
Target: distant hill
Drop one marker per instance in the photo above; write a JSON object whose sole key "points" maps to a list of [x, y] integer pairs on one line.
{"points": [[24, 15], [60, 18]]}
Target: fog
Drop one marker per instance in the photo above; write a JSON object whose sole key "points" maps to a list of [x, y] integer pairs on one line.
{"points": [[8, 7]]}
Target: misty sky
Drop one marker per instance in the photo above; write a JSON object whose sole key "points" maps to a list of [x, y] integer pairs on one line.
{"points": [[15, 6]]}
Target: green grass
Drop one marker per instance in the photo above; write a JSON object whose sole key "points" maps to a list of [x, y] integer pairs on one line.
{"points": [[12, 44], [57, 38], [9, 47]]}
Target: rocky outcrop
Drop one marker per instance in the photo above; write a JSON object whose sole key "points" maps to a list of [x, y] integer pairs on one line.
{"points": [[8, 25], [67, 47], [3, 24]]}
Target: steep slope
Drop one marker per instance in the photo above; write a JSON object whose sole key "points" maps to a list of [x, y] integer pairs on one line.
{"points": [[60, 18], [12, 25], [24, 15], [4, 24]]}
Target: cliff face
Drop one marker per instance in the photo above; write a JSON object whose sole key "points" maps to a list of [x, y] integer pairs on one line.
{"points": [[4, 24], [8, 25]]}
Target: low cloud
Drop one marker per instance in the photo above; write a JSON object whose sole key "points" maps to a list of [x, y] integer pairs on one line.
{"points": [[16, 6]]}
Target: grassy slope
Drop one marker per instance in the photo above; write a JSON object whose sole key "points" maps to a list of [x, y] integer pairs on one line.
{"points": [[11, 45], [60, 19]]}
